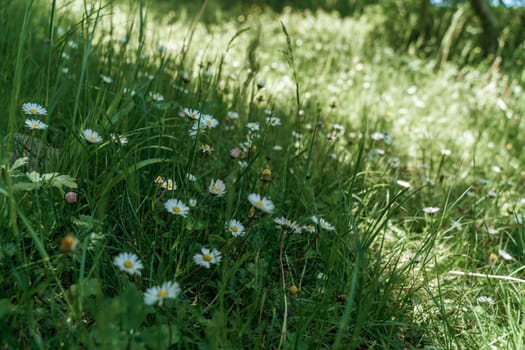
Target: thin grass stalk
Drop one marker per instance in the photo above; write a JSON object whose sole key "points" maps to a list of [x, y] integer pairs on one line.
{"points": [[12, 115], [50, 38], [83, 68]]}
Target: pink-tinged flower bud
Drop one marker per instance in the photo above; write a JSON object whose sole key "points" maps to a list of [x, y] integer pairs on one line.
{"points": [[235, 153], [71, 197]]}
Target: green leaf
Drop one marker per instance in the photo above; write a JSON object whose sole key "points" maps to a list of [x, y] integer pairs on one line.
{"points": [[124, 111], [89, 287], [157, 337], [135, 311], [25, 186], [33, 176], [164, 105], [19, 163], [5, 307], [63, 181]]}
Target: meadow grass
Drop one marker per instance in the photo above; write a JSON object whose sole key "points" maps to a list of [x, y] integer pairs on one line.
{"points": [[390, 210]]}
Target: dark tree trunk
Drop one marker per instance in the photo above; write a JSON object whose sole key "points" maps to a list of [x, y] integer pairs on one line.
{"points": [[490, 26]]}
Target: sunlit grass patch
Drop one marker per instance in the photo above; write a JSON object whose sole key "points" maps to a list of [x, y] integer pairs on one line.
{"points": [[269, 181]]}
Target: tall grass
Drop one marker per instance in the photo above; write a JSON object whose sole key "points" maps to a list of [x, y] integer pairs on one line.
{"points": [[382, 173]]}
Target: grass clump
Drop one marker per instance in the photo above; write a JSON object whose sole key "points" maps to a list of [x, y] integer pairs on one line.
{"points": [[209, 187]]}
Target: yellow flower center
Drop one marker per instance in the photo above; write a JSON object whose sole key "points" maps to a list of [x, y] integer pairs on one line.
{"points": [[293, 290], [35, 125], [215, 188], [176, 209], [128, 264], [162, 293], [259, 204], [208, 122], [33, 110], [235, 228], [207, 257], [91, 138], [267, 172]]}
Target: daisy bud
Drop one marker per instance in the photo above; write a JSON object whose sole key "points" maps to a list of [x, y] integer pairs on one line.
{"points": [[71, 197], [342, 297], [293, 290], [186, 77], [493, 258], [235, 153], [266, 175], [69, 243]]}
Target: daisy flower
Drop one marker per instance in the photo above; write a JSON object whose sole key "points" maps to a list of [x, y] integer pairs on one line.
{"points": [[35, 124], [206, 257], [404, 184], [155, 96], [430, 210], [253, 126], [505, 255], [206, 149], [175, 206], [169, 185], [106, 79], [92, 136], [129, 263], [446, 152], [217, 188], [192, 113], [72, 44], [485, 299], [236, 228], [261, 203], [232, 115], [203, 122], [156, 295], [121, 140], [285, 223], [273, 121], [309, 228], [325, 225], [33, 109], [191, 177], [208, 121]]}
